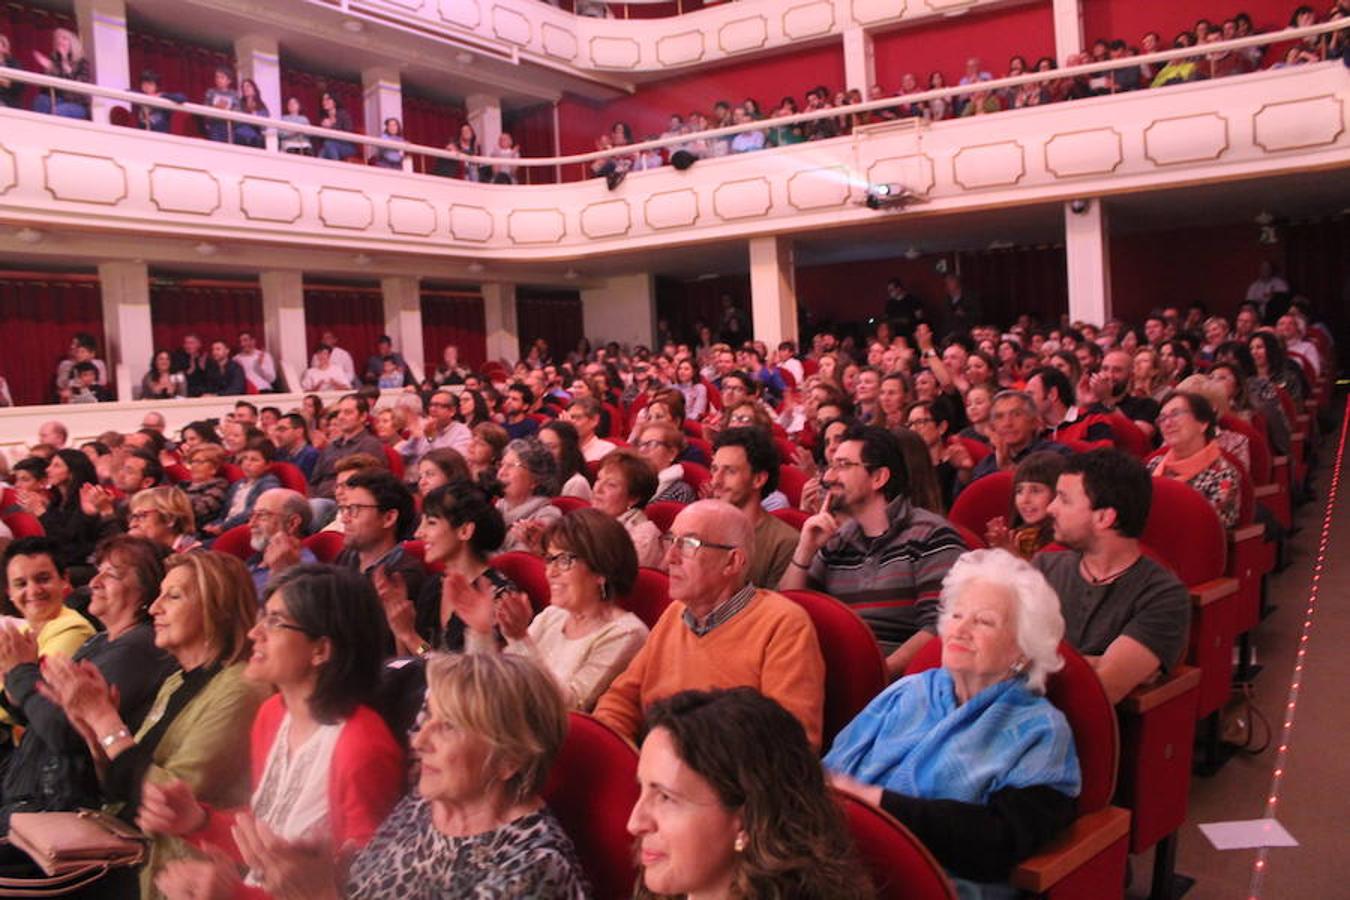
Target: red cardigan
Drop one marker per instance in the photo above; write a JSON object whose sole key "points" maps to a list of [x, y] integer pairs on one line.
{"points": [[365, 781]]}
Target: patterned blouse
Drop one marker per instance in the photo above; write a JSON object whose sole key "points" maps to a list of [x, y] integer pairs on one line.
{"points": [[1219, 483], [408, 859]]}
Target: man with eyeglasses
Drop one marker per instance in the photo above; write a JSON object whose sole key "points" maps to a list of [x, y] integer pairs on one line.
{"points": [[744, 471], [720, 631], [439, 429], [377, 511], [290, 434], [276, 527], [873, 549]]}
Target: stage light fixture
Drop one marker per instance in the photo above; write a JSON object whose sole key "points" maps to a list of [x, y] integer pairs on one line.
{"points": [[890, 196]]}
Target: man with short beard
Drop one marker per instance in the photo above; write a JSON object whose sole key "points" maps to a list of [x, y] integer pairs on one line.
{"points": [[276, 528], [1110, 391]]}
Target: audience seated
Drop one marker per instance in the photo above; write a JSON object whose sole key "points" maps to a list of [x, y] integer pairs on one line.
{"points": [[164, 515], [623, 486], [277, 526], [720, 630], [237, 508], [970, 755], [562, 440], [1192, 453], [744, 471], [60, 510], [528, 477], [353, 436]]}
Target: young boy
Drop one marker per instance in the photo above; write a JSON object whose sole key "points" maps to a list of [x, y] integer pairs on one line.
{"points": [[85, 388], [391, 376], [253, 459]]}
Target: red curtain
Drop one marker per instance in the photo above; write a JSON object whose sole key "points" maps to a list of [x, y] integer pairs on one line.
{"points": [[554, 316], [1018, 280], [210, 310], [453, 317], [430, 122], [41, 314], [355, 315], [183, 68], [309, 88], [687, 304], [31, 29], [1317, 265], [532, 128]]}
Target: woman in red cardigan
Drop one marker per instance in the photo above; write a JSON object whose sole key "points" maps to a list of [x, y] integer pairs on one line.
{"points": [[326, 769]]}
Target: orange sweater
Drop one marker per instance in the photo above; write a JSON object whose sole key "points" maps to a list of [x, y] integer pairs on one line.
{"points": [[770, 646]]}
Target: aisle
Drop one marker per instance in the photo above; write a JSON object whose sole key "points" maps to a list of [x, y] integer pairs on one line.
{"points": [[1314, 792]]}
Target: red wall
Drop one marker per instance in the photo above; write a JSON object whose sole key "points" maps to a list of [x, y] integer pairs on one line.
{"points": [[453, 317], [1131, 19], [1214, 265], [47, 311], [211, 310], [945, 45]]}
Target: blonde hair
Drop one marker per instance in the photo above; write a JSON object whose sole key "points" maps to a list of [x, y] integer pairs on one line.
{"points": [[510, 703], [222, 585], [214, 453], [76, 45], [171, 503]]}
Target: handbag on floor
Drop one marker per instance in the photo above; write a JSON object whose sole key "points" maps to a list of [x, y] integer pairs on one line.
{"points": [[73, 849]]}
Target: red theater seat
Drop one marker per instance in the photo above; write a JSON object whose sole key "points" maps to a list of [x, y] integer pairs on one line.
{"points": [[231, 473], [791, 480], [22, 524], [326, 545], [696, 476], [290, 477], [663, 513], [901, 867], [567, 504], [650, 596], [982, 500], [394, 460], [235, 542], [527, 571], [794, 517]]}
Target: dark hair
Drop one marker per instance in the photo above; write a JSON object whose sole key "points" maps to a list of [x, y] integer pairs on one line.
{"points": [[924, 490], [1239, 354], [339, 605], [1199, 407], [270, 409], [157, 441], [246, 405], [751, 384], [481, 411], [37, 545], [1276, 359], [86, 340], [85, 367], [149, 75], [760, 452], [34, 465], [570, 459], [205, 430], [590, 407], [298, 421], [99, 448], [143, 557], [637, 472], [1115, 480], [154, 469], [362, 404], [880, 450], [602, 544], [256, 443], [1042, 467], [520, 387], [388, 493], [460, 503], [82, 472], [1183, 353], [755, 756], [1053, 379], [450, 461]]}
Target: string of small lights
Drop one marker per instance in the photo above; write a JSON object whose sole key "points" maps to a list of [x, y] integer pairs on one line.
{"points": [[1296, 681]]}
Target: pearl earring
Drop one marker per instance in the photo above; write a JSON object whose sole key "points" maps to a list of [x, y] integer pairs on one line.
{"points": [[740, 843]]}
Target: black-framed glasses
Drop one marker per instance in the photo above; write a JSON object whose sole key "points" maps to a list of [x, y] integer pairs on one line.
{"points": [[688, 544], [274, 622], [843, 465], [562, 561], [349, 510]]}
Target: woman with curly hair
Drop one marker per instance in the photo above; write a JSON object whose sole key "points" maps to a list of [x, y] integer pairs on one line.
{"points": [[733, 803]]}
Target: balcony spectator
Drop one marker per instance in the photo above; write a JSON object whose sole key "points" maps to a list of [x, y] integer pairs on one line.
{"points": [[973, 74], [1151, 42], [294, 141], [11, 92], [505, 173], [250, 101], [67, 61], [1017, 65], [85, 388], [221, 95], [649, 159], [339, 356], [721, 118], [466, 143], [375, 363], [323, 375], [746, 141], [938, 108], [1312, 48], [388, 157], [981, 103], [223, 377], [450, 371], [877, 92], [1099, 83], [336, 118], [154, 118], [83, 348], [786, 135], [6, 398], [1183, 68], [260, 370], [190, 362], [1126, 79], [820, 129]]}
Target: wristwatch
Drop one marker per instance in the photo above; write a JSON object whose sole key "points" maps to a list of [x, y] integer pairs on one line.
{"points": [[109, 739]]}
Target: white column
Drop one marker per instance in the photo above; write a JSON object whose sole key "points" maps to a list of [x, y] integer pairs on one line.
{"points": [[623, 310], [499, 317], [283, 296], [125, 287], [403, 318], [485, 115], [259, 59], [773, 290], [1087, 253], [860, 68], [103, 31], [1068, 29]]}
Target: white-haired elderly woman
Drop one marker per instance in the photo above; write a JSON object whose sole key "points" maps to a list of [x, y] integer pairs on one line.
{"points": [[529, 477], [970, 755]]}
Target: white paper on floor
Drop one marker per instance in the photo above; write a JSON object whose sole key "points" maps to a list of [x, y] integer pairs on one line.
{"points": [[1247, 834]]}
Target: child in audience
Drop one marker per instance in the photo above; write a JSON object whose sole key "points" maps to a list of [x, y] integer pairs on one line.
{"points": [[1033, 488], [221, 95], [238, 507], [293, 141], [391, 376]]}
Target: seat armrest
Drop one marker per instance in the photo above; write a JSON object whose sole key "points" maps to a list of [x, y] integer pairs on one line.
{"points": [[1262, 491], [1089, 835], [1208, 592], [1246, 533], [1150, 696]]}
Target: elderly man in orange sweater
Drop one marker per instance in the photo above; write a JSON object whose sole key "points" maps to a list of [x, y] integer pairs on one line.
{"points": [[720, 631]]}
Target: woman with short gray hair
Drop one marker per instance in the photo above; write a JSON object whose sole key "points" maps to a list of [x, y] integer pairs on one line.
{"points": [[970, 755], [529, 477]]}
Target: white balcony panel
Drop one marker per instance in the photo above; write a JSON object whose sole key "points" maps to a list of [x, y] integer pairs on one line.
{"points": [[92, 177]]}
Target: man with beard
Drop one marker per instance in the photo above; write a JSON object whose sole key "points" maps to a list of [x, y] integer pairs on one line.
{"points": [[276, 528], [1110, 391]]}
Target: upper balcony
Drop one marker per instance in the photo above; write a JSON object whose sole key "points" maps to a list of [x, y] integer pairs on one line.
{"points": [[59, 174]]}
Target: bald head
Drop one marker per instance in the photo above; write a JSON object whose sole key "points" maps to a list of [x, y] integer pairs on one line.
{"points": [[703, 578], [154, 421], [53, 434], [720, 522]]}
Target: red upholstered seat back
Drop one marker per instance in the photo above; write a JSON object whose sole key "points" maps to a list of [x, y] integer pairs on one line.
{"points": [[395, 461], [791, 480], [1185, 532], [701, 445], [650, 596], [290, 477], [567, 504], [326, 545], [663, 513], [23, 524], [901, 867], [971, 539], [615, 422], [592, 789], [1076, 691], [235, 542], [854, 669], [794, 517], [1128, 436], [1256, 441], [177, 473], [231, 473], [696, 476], [982, 500], [527, 571], [978, 450]]}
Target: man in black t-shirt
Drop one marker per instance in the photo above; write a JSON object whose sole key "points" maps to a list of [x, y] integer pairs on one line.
{"points": [[1110, 389]]}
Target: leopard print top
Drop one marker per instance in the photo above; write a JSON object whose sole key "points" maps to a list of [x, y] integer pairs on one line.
{"points": [[408, 859]]}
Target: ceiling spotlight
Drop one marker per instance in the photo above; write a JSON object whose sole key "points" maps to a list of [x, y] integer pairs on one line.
{"points": [[571, 274], [475, 267], [29, 236], [355, 26], [890, 196], [361, 259], [206, 248], [912, 253]]}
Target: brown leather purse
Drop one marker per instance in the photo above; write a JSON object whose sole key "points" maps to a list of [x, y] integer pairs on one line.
{"points": [[73, 849]]}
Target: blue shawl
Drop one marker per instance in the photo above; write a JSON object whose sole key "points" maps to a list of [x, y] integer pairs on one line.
{"points": [[915, 739]]}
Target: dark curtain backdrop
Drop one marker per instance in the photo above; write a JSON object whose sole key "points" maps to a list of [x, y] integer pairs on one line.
{"points": [[686, 304], [434, 123], [309, 88], [40, 316], [532, 127], [453, 317], [1317, 265], [183, 68], [554, 316], [354, 314], [31, 29], [208, 310], [1017, 280]]}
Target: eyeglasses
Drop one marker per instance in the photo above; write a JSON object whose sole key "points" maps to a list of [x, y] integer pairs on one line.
{"points": [[260, 514], [922, 421], [562, 561], [1174, 414], [350, 510], [651, 445], [140, 515], [274, 622], [741, 419], [688, 544], [843, 465]]}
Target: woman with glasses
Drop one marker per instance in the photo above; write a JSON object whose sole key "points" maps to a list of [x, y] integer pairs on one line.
{"points": [[661, 444], [952, 462], [583, 639], [1189, 426], [326, 769], [622, 487], [529, 478], [207, 488]]}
